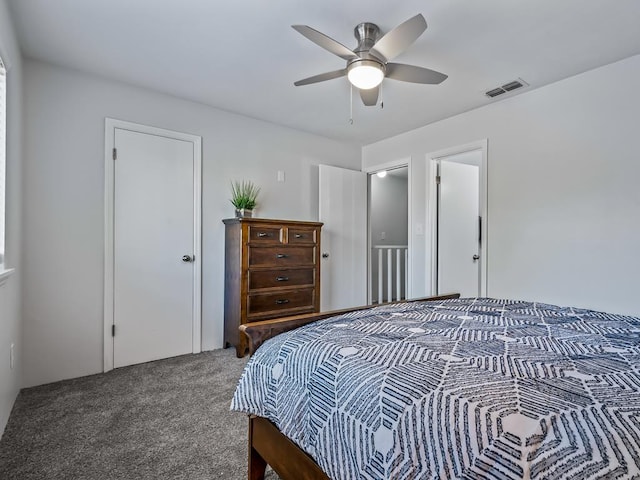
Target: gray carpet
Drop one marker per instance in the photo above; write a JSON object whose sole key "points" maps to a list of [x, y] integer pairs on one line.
{"points": [[168, 419]]}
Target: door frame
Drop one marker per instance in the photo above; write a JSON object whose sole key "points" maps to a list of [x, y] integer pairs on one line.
{"points": [[109, 254], [433, 158], [390, 165]]}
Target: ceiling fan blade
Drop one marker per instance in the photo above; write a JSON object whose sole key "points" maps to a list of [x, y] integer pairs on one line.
{"points": [[325, 42], [321, 77], [413, 74], [370, 96], [397, 40]]}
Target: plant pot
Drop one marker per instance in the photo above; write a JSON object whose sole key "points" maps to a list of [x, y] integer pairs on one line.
{"points": [[243, 213]]}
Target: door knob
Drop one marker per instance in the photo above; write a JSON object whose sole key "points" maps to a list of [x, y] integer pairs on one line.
{"points": [[476, 257], [187, 258]]}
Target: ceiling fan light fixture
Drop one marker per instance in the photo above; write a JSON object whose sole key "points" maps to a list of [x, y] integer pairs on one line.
{"points": [[365, 74], [368, 64]]}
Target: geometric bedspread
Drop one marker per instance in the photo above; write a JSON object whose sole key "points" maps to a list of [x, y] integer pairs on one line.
{"points": [[468, 388]]}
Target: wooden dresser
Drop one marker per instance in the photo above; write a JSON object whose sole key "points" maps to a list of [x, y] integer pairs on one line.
{"points": [[272, 269]]}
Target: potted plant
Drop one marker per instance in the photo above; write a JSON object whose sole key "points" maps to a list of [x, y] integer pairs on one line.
{"points": [[244, 196]]}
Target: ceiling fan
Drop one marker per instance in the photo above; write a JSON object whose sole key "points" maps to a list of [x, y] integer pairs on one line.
{"points": [[368, 64]]}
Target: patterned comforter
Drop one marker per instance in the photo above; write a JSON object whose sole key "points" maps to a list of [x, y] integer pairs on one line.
{"points": [[469, 388]]}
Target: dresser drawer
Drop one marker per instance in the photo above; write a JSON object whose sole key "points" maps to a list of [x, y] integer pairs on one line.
{"points": [[281, 256], [265, 234], [280, 301], [302, 236], [281, 278]]}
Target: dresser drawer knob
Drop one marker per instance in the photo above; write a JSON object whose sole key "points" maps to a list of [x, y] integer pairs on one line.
{"points": [[282, 279], [282, 302], [281, 255], [299, 235], [263, 234]]}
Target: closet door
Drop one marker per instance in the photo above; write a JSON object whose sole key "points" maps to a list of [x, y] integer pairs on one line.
{"points": [[153, 263]]}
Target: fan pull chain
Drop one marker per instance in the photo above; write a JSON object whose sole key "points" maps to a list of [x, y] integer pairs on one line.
{"points": [[381, 97], [351, 104]]}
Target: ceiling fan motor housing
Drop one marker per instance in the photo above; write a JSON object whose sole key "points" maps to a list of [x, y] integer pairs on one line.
{"points": [[366, 34]]}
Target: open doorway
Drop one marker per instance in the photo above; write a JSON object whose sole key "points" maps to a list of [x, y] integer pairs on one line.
{"points": [[388, 234]]}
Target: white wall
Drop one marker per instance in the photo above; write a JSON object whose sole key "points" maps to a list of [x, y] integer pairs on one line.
{"points": [[564, 196], [10, 325], [65, 112]]}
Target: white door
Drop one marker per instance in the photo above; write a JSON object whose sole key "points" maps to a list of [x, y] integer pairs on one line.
{"points": [[458, 228], [154, 244], [343, 210]]}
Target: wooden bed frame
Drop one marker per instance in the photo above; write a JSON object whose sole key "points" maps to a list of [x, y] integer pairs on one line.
{"points": [[267, 445]]}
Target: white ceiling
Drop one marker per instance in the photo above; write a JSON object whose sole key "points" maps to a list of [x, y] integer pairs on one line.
{"points": [[243, 56]]}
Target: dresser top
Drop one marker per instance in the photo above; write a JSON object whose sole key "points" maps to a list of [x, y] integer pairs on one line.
{"points": [[249, 220]]}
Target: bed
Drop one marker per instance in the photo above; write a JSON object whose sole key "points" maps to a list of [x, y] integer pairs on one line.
{"points": [[445, 388]]}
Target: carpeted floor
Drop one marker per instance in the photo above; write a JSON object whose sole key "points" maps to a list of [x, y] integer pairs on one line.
{"points": [[168, 419]]}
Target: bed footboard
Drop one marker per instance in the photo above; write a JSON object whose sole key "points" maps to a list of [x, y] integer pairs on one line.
{"points": [[258, 332], [267, 445]]}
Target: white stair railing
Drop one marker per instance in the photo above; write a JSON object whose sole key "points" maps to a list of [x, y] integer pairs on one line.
{"points": [[391, 273]]}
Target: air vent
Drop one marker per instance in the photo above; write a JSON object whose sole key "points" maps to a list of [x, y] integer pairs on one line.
{"points": [[507, 87], [495, 92]]}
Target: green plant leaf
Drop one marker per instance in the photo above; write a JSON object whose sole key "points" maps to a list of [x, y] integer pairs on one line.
{"points": [[244, 194]]}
